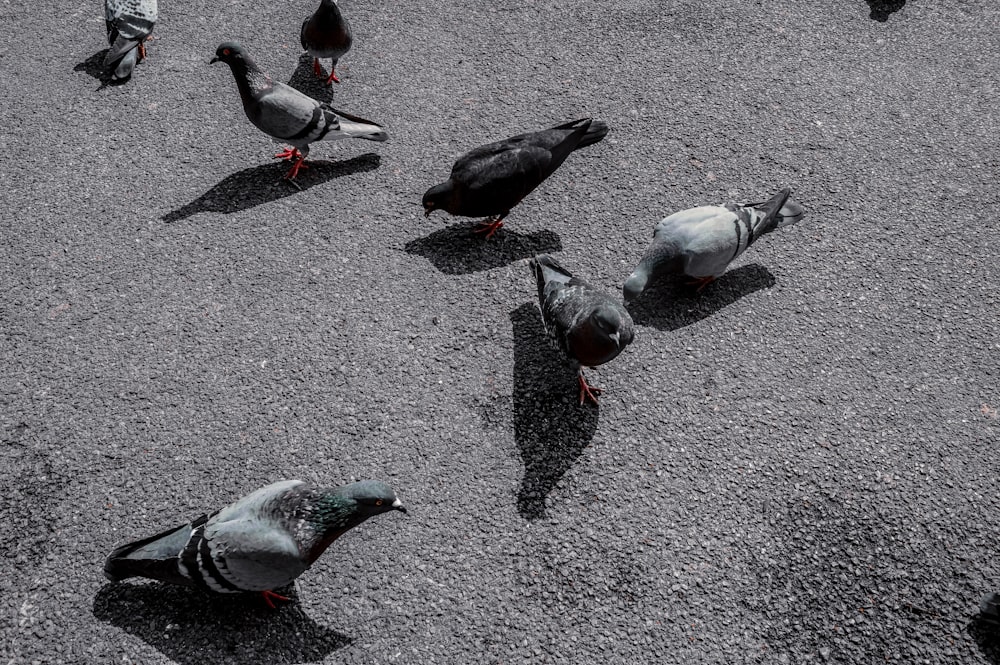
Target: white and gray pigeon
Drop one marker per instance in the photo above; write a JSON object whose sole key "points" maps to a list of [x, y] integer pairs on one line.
{"points": [[700, 243], [130, 24], [284, 113], [588, 325], [326, 34], [261, 542]]}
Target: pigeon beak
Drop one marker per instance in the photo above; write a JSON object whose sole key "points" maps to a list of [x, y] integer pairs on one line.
{"points": [[427, 212], [615, 337], [398, 505], [214, 60]]}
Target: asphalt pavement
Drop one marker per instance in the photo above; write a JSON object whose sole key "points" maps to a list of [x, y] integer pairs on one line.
{"points": [[800, 464]]}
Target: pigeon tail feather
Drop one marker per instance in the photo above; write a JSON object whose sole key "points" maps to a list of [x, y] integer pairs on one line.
{"points": [[125, 66], [356, 127], [547, 270], [155, 557], [989, 612], [779, 211], [595, 132]]}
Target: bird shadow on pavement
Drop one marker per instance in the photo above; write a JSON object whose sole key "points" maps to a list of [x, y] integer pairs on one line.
{"points": [[458, 250], [551, 427], [265, 182], [94, 66], [191, 627], [305, 81], [669, 304], [881, 9]]}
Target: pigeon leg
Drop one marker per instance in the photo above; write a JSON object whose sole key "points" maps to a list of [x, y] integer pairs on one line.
{"points": [[332, 77], [270, 597], [296, 167], [491, 227], [587, 391], [701, 282], [288, 154], [142, 51], [317, 70]]}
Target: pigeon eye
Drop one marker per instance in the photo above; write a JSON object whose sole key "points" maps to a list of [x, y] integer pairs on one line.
{"points": [[378, 502], [225, 51]]}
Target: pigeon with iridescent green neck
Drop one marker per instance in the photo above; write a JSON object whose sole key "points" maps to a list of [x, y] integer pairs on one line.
{"points": [[260, 543]]}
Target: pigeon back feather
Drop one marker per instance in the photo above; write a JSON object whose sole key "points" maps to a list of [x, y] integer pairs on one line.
{"points": [[155, 557]]}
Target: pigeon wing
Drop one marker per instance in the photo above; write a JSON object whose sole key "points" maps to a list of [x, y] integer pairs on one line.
{"points": [[285, 113], [502, 173], [254, 554]]}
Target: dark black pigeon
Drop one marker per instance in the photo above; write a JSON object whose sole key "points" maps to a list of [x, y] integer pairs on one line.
{"points": [[492, 179], [286, 114], [700, 243], [130, 24], [989, 613], [260, 543], [588, 325], [326, 34]]}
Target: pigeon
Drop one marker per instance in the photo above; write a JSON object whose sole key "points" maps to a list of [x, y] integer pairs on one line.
{"points": [[130, 24], [326, 34], [700, 243], [588, 325], [284, 113], [492, 179], [989, 613], [259, 543]]}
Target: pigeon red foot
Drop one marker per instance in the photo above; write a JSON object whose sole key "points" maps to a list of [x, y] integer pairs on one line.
{"points": [[270, 597], [489, 228], [587, 391], [299, 165], [701, 282], [317, 70], [332, 78], [289, 154]]}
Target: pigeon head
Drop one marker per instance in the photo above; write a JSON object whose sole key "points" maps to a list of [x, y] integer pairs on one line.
{"points": [[610, 321], [372, 497], [438, 197], [660, 258], [635, 284], [229, 52]]}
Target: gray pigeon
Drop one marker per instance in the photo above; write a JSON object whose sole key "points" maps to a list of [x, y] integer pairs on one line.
{"points": [[284, 113], [130, 24], [262, 542], [326, 34], [588, 325], [700, 243]]}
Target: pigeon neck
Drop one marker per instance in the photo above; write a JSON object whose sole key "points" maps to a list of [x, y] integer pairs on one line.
{"points": [[249, 78], [330, 516]]}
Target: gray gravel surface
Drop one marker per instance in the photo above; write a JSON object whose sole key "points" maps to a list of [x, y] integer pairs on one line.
{"points": [[799, 465]]}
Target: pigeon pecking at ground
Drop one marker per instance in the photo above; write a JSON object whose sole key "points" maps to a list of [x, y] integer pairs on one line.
{"points": [[326, 34], [284, 113], [259, 543], [700, 243], [588, 325], [492, 179], [130, 24]]}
